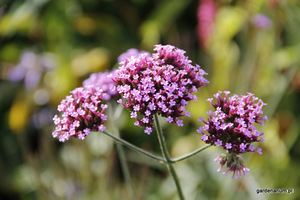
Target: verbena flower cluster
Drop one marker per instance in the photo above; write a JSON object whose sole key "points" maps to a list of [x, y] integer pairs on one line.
{"points": [[82, 113], [231, 125], [104, 81], [161, 83]]}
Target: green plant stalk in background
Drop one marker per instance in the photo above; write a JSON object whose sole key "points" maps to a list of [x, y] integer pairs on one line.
{"points": [[125, 169], [121, 153]]}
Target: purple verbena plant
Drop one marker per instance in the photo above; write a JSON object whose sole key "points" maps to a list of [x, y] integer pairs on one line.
{"points": [[231, 126], [161, 84], [83, 112]]}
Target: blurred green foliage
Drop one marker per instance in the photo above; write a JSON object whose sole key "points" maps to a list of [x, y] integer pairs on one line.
{"points": [[67, 40]]}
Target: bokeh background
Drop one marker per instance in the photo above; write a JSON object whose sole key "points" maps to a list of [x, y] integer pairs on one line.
{"points": [[48, 47]]}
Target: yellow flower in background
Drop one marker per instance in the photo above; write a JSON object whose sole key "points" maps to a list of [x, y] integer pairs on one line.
{"points": [[90, 62], [18, 115]]}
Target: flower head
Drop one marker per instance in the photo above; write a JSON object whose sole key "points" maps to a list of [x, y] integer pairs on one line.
{"points": [[159, 84], [104, 81], [83, 112], [234, 163], [231, 125]]}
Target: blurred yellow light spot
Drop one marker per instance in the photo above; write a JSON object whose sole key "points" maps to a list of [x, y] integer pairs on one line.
{"points": [[150, 34], [285, 57], [85, 25], [275, 145], [228, 22], [90, 62], [18, 116], [22, 19]]}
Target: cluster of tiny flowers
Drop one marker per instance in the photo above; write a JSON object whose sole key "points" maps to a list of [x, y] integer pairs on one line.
{"points": [[234, 163], [231, 125], [161, 83], [82, 113], [104, 81]]}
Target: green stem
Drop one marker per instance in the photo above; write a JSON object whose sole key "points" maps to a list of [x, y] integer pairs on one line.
{"points": [[190, 154], [133, 147], [166, 155]]}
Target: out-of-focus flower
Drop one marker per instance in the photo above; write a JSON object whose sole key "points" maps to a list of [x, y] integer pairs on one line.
{"points": [[83, 112], [131, 52], [105, 82], [261, 21], [31, 68], [42, 117], [159, 84], [231, 126], [205, 14]]}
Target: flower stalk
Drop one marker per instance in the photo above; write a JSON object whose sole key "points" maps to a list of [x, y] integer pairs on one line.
{"points": [[190, 154], [133, 147], [166, 155]]}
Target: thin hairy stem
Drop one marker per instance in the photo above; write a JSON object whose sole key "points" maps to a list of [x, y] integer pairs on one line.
{"points": [[133, 147], [190, 154], [166, 155]]}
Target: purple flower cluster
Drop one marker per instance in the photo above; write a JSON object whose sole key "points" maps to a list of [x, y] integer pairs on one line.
{"points": [[234, 163], [31, 69], [231, 125], [104, 81], [82, 113], [161, 83]]}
